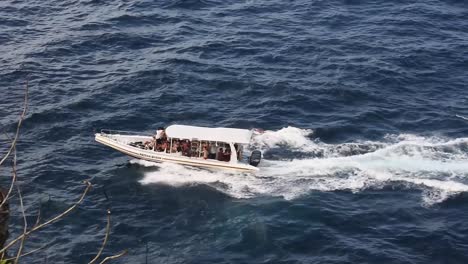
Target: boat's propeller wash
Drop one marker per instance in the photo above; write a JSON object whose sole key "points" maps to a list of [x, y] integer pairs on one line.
{"points": [[294, 165]]}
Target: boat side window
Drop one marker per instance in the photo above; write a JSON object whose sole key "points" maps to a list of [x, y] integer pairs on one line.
{"points": [[185, 147], [223, 152], [212, 150], [194, 148]]}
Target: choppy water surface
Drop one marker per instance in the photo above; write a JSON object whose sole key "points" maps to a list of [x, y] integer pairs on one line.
{"points": [[364, 104]]}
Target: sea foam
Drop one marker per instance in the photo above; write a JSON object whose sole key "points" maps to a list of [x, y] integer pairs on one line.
{"points": [[435, 165]]}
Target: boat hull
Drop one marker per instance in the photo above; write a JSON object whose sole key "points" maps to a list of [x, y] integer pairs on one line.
{"points": [[120, 143]]}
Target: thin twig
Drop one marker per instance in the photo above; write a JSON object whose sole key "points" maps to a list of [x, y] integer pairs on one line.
{"points": [[13, 181], [15, 138], [28, 253], [7, 136], [38, 219], [25, 229], [114, 256], [106, 236], [50, 221], [20, 121]]}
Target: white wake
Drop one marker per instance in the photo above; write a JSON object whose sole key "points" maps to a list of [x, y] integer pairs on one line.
{"points": [[435, 165]]}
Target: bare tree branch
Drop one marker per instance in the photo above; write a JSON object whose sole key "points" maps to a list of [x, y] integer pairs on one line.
{"points": [[50, 221], [28, 253], [5, 197], [38, 219], [106, 236], [15, 139], [22, 209], [114, 256], [18, 255], [13, 181]]}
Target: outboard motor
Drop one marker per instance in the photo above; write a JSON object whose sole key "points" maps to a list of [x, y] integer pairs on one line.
{"points": [[255, 158]]}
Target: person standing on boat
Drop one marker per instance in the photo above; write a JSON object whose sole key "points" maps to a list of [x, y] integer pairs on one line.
{"points": [[160, 135]]}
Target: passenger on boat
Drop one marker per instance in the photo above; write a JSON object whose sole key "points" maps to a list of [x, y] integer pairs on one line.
{"points": [[166, 146], [205, 152], [227, 155], [179, 145], [220, 154], [186, 148], [149, 144], [159, 148], [175, 146]]}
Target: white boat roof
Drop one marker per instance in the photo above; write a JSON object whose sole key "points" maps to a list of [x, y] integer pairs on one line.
{"points": [[220, 134]]}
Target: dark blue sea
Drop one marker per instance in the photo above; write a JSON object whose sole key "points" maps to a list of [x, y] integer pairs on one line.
{"points": [[364, 106]]}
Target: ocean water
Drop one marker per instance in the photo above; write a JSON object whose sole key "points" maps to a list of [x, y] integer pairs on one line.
{"points": [[364, 106]]}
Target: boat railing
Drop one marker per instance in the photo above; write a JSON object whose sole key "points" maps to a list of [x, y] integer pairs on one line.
{"points": [[118, 132]]}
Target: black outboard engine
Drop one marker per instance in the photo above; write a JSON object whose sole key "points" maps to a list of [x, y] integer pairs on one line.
{"points": [[255, 158]]}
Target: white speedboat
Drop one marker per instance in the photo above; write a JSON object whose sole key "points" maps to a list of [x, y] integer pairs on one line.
{"points": [[189, 145]]}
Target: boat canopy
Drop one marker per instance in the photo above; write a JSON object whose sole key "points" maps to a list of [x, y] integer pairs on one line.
{"points": [[220, 134]]}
